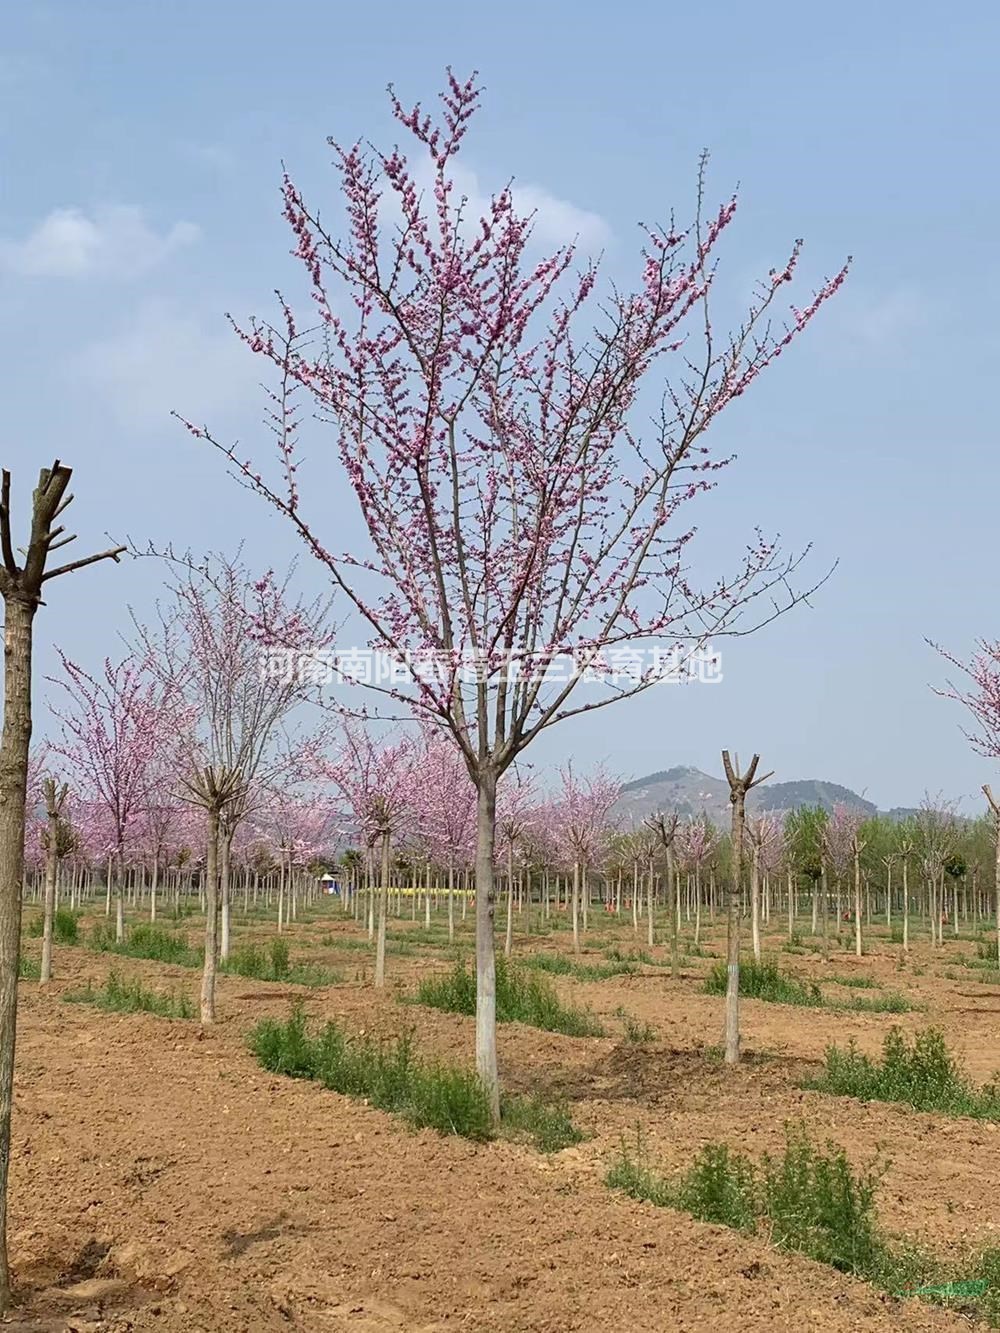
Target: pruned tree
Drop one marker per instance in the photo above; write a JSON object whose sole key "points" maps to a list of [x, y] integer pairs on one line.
{"points": [[518, 516], [664, 829], [740, 784], [21, 587]]}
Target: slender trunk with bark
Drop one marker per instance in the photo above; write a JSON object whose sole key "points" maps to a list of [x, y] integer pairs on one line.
{"points": [[383, 911], [211, 916], [486, 981]]}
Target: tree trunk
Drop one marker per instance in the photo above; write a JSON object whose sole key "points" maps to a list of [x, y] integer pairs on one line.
{"points": [[51, 867], [451, 902], [486, 981], [857, 901], [575, 908], [225, 863], [508, 944], [211, 916], [755, 900], [383, 910], [13, 795], [906, 908], [119, 899], [154, 885]]}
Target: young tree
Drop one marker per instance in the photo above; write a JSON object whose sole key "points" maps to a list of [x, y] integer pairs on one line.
{"points": [[697, 841], [740, 784], [804, 836], [517, 513], [445, 806], [581, 813], [112, 728], [21, 587], [230, 647], [980, 694], [664, 829], [55, 798], [377, 782]]}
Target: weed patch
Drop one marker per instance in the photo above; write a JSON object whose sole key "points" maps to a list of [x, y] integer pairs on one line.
{"points": [[521, 997], [922, 1074], [131, 997]]}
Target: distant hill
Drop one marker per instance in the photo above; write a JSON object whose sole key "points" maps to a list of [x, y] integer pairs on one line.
{"points": [[689, 791]]}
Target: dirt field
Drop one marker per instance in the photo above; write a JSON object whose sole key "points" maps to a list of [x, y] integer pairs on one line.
{"points": [[162, 1180]]}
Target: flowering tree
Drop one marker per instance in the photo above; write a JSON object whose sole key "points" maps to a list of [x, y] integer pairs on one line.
{"points": [[112, 727], [698, 840], [376, 781], [444, 803], [517, 512], [581, 813], [515, 815], [211, 651]]}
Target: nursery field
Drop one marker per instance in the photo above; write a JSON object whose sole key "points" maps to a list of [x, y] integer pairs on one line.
{"points": [[163, 1177]]}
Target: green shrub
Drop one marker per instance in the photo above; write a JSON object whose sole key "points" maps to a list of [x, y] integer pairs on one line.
{"points": [[812, 1202], [924, 1075], [559, 965], [891, 1002], [28, 969], [250, 960], [718, 1187], [634, 1030], [809, 1200], [548, 1127], [131, 997], [65, 929], [145, 941], [280, 958], [817, 1205], [765, 980], [521, 997], [387, 1075]]}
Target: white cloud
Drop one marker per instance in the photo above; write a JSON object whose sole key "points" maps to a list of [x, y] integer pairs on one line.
{"points": [[115, 242], [164, 361], [557, 221]]}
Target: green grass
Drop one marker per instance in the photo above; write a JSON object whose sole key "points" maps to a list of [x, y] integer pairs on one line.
{"points": [[559, 965], [521, 997], [811, 1201], [274, 964], [131, 997], [28, 969], [858, 981], [65, 927], [146, 941], [634, 957], [890, 1002], [923, 1074], [549, 1128], [391, 1076], [633, 1029], [765, 980]]}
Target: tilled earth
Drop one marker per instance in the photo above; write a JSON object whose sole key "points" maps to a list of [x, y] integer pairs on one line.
{"points": [[162, 1180]]}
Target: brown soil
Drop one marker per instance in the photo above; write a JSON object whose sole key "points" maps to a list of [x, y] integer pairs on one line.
{"points": [[162, 1180]]}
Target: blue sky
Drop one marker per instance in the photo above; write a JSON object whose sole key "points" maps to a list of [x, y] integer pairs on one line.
{"points": [[142, 145]]}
